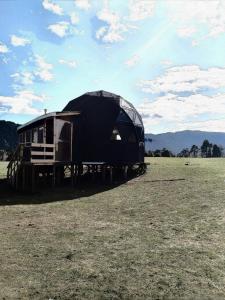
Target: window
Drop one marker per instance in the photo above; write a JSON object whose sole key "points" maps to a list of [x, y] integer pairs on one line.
{"points": [[21, 138], [28, 136], [41, 134], [115, 135], [35, 135]]}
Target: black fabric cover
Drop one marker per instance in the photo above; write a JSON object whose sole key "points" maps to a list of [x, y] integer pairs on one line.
{"points": [[101, 113]]}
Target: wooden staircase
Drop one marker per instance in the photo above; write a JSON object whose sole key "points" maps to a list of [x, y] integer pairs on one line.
{"points": [[14, 167]]}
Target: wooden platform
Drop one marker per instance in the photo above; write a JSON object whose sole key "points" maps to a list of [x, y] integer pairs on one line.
{"points": [[28, 176]]}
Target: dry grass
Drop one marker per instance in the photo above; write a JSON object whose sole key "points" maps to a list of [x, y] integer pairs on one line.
{"points": [[160, 236]]}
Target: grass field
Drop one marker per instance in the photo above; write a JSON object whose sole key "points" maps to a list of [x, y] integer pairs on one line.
{"points": [[159, 236]]}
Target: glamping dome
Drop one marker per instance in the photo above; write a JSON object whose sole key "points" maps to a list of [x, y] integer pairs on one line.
{"points": [[109, 129]]}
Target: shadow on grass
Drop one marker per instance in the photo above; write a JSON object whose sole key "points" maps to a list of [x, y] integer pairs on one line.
{"points": [[43, 194]]}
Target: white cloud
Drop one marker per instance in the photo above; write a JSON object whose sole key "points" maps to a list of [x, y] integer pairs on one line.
{"points": [[3, 48], [175, 108], [166, 62], [186, 31], [61, 29], [194, 43], [69, 63], [217, 125], [100, 32], [132, 61], [185, 79], [17, 41], [192, 13], [74, 18], [113, 31], [25, 78], [21, 103], [180, 113], [43, 69], [55, 8], [141, 9], [83, 4]]}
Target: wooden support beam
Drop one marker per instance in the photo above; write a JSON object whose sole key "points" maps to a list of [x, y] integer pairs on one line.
{"points": [[125, 172], [111, 174], [103, 173], [72, 174], [53, 175], [23, 178], [33, 178]]}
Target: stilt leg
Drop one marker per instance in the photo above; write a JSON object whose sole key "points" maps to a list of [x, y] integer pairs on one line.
{"points": [[33, 178], [111, 174]]}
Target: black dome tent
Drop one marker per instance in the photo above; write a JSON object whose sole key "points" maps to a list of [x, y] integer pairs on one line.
{"points": [[109, 129]]}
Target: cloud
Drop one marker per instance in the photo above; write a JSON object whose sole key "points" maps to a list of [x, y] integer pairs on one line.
{"points": [[69, 63], [180, 113], [166, 62], [141, 9], [185, 79], [186, 31], [43, 69], [74, 19], [175, 108], [113, 31], [21, 103], [3, 48], [192, 13], [54, 8], [83, 4], [132, 61], [17, 41], [24, 78], [61, 29], [217, 125]]}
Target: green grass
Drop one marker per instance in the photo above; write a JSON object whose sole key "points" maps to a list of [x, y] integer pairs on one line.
{"points": [[159, 236]]}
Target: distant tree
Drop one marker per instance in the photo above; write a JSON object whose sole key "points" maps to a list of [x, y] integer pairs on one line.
{"points": [[216, 151], [157, 153], [209, 150], [184, 153], [166, 153], [194, 151], [149, 153], [205, 148]]}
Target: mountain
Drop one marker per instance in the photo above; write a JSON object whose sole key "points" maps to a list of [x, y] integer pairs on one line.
{"points": [[8, 135], [176, 141]]}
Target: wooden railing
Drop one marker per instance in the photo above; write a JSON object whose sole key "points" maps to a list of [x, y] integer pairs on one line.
{"points": [[14, 165], [42, 153]]}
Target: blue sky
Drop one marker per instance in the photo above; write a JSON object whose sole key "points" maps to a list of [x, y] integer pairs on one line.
{"points": [[166, 57]]}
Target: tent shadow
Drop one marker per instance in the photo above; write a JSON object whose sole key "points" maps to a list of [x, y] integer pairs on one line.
{"points": [[42, 195]]}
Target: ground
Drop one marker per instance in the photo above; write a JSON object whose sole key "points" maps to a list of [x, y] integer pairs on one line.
{"points": [[159, 236]]}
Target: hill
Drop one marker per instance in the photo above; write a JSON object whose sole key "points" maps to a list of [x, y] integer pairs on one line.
{"points": [[176, 141], [8, 135]]}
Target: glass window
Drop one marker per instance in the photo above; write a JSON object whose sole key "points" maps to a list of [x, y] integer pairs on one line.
{"points": [[21, 138], [35, 135], [28, 136], [41, 134], [115, 135]]}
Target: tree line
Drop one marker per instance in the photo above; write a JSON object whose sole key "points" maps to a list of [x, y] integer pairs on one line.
{"points": [[207, 149]]}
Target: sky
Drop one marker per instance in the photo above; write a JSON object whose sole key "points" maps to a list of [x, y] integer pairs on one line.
{"points": [[166, 57]]}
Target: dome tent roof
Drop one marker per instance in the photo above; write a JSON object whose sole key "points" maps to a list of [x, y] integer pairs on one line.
{"points": [[90, 98]]}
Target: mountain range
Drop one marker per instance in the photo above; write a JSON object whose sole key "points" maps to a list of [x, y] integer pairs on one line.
{"points": [[176, 141], [8, 135], [173, 141]]}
